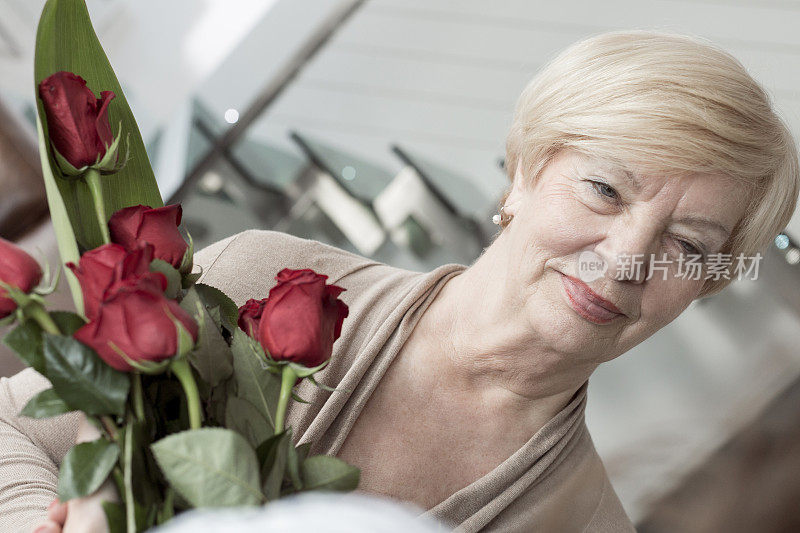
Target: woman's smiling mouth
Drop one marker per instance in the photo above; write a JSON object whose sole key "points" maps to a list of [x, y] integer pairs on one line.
{"points": [[586, 303]]}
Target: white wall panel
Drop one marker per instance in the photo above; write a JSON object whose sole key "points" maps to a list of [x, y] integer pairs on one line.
{"points": [[395, 118], [767, 23], [412, 78]]}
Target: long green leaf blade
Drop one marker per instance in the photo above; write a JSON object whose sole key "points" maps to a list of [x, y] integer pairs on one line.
{"points": [[65, 236], [66, 40]]}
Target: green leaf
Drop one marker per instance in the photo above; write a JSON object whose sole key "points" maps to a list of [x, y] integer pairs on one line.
{"points": [[111, 163], [85, 467], [65, 40], [44, 405], [242, 417], [273, 454], [68, 323], [145, 489], [323, 472], [302, 371], [217, 401], [115, 517], [298, 398], [172, 275], [167, 510], [302, 451], [83, 380], [322, 385], [215, 315], [66, 167], [211, 356], [26, 341], [65, 235], [190, 279], [185, 341], [213, 297], [210, 467], [187, 263], [296, 456], [255, 383]]}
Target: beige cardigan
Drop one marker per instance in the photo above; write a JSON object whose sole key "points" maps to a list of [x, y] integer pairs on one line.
{"points": [[555, 482]]}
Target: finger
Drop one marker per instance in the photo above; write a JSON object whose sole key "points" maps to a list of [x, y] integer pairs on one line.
{"points": [[48, 527], [86, 515], [57, 512], [87, 431]]}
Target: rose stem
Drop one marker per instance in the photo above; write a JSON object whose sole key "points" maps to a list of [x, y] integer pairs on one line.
{"points": [[138, 397], [180, 367], [288, 378], [128, 477], [92, 177], [109, 426], [119, 477], [35, 311]]}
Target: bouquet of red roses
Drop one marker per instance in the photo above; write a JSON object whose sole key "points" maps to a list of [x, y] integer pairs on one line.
{"points": [[188, 392]]}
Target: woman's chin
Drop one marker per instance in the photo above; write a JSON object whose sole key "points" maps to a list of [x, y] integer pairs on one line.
{"points": [[563, 330]]}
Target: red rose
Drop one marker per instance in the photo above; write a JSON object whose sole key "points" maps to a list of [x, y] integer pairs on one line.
{"points": [[301, 318], [99, 269], [17, 269], [138, 320], [250, 315], [77, 122], [132, 226]]}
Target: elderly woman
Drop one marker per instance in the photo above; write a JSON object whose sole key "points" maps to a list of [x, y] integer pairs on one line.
{"points": [[463, 389]]}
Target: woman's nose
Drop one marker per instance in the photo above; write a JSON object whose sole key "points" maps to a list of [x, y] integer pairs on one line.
{"points": [[628, 254]]}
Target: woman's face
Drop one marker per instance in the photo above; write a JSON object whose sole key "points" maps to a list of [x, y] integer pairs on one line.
{"points": [[584, 213]]}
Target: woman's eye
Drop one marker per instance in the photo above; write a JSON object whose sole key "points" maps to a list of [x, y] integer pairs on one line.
{"points": [[604, 189], [690, 248]]}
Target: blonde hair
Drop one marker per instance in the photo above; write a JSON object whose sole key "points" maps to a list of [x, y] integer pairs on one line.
{"points": [[677, 103]]}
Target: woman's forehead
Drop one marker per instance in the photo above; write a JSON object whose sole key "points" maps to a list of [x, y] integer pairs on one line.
{"points": [[636, 172], [711, 198]]}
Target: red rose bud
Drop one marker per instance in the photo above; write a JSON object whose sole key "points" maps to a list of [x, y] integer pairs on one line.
{"points": [[77, 122], [17, 269], [250, 315], [138, 320], [132, 226], [301, 318], [99, 269]]}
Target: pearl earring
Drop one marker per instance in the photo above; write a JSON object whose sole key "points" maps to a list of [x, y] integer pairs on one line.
{"points": [[502, 217]]}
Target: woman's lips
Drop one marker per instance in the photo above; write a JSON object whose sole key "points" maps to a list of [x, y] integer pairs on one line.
{"points": [[588, 304]]}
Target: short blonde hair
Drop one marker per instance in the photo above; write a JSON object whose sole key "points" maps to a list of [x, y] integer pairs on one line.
{"points": [[676, 102]]}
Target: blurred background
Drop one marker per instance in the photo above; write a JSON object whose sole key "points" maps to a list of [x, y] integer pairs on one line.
{"points": [[378, 126]]}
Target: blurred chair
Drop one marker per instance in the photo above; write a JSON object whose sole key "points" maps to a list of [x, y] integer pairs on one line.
{"points": [[348, 207], [24, 216], [414, 198], [22, 197]]}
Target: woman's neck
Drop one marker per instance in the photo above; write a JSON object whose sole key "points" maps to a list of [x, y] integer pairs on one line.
{"points": [[475, 346]]}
